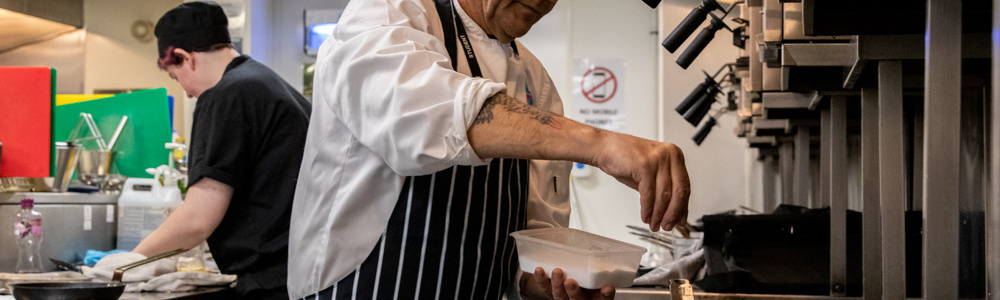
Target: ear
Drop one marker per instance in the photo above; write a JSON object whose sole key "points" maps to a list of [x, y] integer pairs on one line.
{"points": [[185, 57]]}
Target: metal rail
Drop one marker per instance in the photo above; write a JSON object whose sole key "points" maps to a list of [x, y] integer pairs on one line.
{"points": [[871, 221], [942, 132], [838, 195], [786, 154], [801, 181], [993, 198], [892, 179]]}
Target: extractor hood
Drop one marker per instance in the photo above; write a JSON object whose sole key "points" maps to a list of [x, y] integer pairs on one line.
{"points": [[25, 22]]}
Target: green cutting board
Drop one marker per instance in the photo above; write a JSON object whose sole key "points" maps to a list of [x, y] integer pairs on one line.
{"points": [[141, 144]]}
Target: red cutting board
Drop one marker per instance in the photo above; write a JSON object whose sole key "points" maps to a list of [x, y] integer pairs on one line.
{"points": [[25, 121]]}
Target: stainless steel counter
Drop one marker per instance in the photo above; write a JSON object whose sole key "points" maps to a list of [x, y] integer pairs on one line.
{"points": [[660, 294], [59, 198], [201, 293], [72, 222]]}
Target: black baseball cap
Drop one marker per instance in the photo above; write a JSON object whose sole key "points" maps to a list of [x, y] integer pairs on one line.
{"points": [[192, 26]]}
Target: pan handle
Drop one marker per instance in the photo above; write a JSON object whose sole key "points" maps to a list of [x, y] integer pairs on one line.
{"points": [[120, 271]]}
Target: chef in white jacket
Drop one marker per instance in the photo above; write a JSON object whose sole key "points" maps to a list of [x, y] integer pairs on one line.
{"points": [[434, 135]]}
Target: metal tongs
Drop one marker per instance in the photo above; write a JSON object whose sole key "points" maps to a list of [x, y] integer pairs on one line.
{"points": [[120, 271], [659, 238], [88, 120], [95, 134]]}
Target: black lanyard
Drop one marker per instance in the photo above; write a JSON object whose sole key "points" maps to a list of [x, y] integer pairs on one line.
{"points": [[453, 23]]}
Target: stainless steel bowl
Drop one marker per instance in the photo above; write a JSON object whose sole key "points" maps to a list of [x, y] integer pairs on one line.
{"points": [[94, 166]]}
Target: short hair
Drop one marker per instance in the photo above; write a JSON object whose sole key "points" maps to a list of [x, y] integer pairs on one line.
{"points": [[171, 59]]}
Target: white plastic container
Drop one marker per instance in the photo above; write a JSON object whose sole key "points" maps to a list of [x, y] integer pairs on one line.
{"points": [[142, 207], [592, 260]]}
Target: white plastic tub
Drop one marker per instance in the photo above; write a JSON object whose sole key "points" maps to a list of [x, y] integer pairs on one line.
{"points": [[592, 260]]}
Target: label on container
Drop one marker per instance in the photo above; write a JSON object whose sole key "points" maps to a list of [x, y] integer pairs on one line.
{"points": [[109, 216], [88, 217], [24, 228], [136, 223], [36, 227]]}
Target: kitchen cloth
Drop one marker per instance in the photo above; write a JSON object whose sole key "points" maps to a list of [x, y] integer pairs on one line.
{"points": [[105, 268], [157, 276], [182, 282], [688, 267]]}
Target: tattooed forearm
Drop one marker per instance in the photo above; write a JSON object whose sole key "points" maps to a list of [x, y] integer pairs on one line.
{"points": [[511, 105]]}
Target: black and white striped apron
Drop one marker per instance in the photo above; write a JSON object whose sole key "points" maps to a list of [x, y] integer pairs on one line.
{"points": [[449, 235]]}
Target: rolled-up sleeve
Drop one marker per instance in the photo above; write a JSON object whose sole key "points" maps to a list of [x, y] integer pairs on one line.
{"points": [[393, 87]]}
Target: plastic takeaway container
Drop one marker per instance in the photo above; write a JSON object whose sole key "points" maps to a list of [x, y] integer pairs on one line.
{"points": [[592, 260]]}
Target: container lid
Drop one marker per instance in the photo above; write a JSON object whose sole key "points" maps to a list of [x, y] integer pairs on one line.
{"points": [[27, 203], [577, 241]]}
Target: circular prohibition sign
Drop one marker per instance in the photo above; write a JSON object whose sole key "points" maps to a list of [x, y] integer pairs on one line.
{"points": [[601, 77]]}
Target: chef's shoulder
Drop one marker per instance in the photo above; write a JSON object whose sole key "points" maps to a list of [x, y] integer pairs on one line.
{"points": [[530, 61], [361, 17], [249, 87]]}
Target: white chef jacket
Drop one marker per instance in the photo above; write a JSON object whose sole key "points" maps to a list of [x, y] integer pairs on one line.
{"points": [[387, 104]]}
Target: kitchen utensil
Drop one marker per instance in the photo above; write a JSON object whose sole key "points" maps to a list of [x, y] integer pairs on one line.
{"points": [[680, 289], [83, 290], [76, 135], [684, 229], [65, 265], [95, 132], [118, 132], [658, 235], [592, 260], [113, 183], [94, 166], [7, 279], [669, 243], [66, 156]]}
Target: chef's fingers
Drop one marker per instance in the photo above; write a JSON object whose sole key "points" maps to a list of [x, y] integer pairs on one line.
{"points": [[607, 292], [542, 281], [663, 194], [681, 192], [647, 194], [558, 285], [574, 291]]}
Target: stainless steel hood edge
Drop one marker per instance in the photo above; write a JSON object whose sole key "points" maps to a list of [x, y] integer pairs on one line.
{"points": [[69, 12]]}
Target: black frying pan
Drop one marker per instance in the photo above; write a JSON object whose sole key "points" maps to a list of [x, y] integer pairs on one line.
{"points": [[68, 290], [82, 290]]}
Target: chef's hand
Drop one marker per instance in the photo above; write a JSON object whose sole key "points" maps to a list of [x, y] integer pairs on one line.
{"points": [[539, 286], [654, 169]]}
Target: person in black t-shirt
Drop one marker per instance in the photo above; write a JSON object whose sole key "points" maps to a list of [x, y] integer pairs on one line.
{"points": [[247, 141]]}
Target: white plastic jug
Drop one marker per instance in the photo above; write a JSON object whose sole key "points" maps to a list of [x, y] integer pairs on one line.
{"points": [[143, 206]]}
